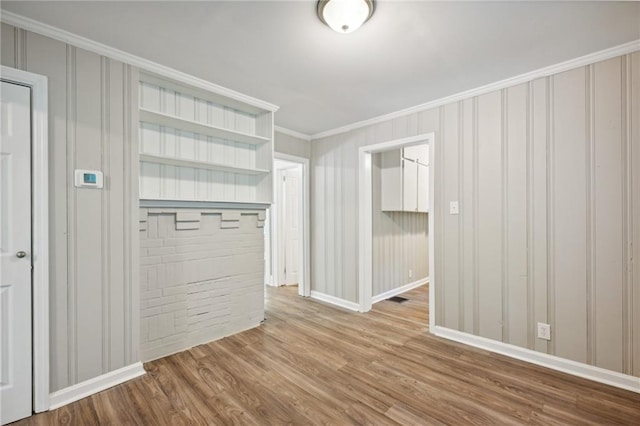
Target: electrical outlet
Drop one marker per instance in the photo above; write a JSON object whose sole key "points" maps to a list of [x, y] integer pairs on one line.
{"points": [[544, 331], [410, 273], [454, 207]]}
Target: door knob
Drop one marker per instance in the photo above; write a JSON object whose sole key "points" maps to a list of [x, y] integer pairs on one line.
{"points": [[21, 254]]}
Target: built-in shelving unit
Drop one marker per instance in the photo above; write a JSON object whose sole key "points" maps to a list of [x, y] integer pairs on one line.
{"points": [[199, 128], [197, 145]]}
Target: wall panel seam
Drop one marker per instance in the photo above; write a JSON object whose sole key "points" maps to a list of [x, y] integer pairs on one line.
{"points": [[504, 212], [105, 105], [439, 176], [127, 194], [461, 316], [71, 222], [476, 240], [20, 48], [529, 243], [627, 219], [591, 216], [551, 279]]}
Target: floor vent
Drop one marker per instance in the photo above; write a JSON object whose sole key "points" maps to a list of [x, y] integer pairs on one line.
{"points": [[397, 299]]}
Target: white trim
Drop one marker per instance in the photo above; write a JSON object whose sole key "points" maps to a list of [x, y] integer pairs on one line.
{"points": [[40, 229], [590, 58], [574, 368], [293, 133], [365, 212], [304, 288], [119, 55], [332, 300], [97, 384], [432, 232], [396, 291]]}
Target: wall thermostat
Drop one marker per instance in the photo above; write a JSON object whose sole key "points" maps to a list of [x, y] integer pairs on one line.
{"points": [[89, 179]]}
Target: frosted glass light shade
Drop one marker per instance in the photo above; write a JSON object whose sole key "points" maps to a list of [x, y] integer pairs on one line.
{"points": [[345, 16]]}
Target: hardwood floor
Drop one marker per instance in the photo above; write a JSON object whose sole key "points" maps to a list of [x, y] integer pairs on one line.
{"points": [[314, 364]]}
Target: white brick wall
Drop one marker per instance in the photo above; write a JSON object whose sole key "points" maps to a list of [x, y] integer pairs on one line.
{"points": [[201, 277]]}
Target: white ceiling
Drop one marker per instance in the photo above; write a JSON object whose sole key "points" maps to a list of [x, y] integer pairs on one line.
{"points": [[409, 53]]}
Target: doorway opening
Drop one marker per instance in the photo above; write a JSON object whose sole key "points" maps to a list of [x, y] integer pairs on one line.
{"points": [[287, 227], [366, 210], [400, 213]]}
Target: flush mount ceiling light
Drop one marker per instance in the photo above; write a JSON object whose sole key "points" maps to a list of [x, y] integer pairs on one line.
{"points": [[345, 16]]}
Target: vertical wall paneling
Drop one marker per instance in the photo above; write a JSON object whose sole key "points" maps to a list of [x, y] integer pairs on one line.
{"points": [[516, 202], [439, 274], [286, 144], [461, 219], [350, 228], [338, 228], [329, 219], [49, 57], [570, 183], [608, 215], [633, 130], [105, 166], [538, 170], [590, 213], [547, 175], [551, 193], [131, 250], [92, 296], [490, 215], [467, 215], [504, 212], [318, 236], [88, 207], [8, 46], [72, 308], [450, 279], [476, 216]]}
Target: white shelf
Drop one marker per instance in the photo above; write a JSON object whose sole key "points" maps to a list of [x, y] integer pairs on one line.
{"points": [[171, 161], [166, 120]]}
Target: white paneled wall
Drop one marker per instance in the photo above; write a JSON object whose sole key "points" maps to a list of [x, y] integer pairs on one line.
{"points": [[93, 244], [547, 174], [287, 144]]}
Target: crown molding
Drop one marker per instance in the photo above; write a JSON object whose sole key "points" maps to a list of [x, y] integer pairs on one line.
{"points": [[47, 30], [293, 133], [591, 58]]}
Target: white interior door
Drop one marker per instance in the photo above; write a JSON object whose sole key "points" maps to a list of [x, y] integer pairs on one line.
{"points": [[292, 226], [15, 253]]}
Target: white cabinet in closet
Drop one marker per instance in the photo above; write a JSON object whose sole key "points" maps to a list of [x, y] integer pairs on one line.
{"points": [[197, 145], [404, 178]]}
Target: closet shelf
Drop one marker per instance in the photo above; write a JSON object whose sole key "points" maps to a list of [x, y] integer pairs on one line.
{"points": [[172, 161], [153, 117]]}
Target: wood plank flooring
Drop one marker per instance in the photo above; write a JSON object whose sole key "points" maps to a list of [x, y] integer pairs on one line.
{"points": [[314, 364]]}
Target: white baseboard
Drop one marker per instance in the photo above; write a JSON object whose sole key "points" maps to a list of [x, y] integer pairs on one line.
{"points": [[399, 290], [352, 306], [89, 387], [574, 368]]}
